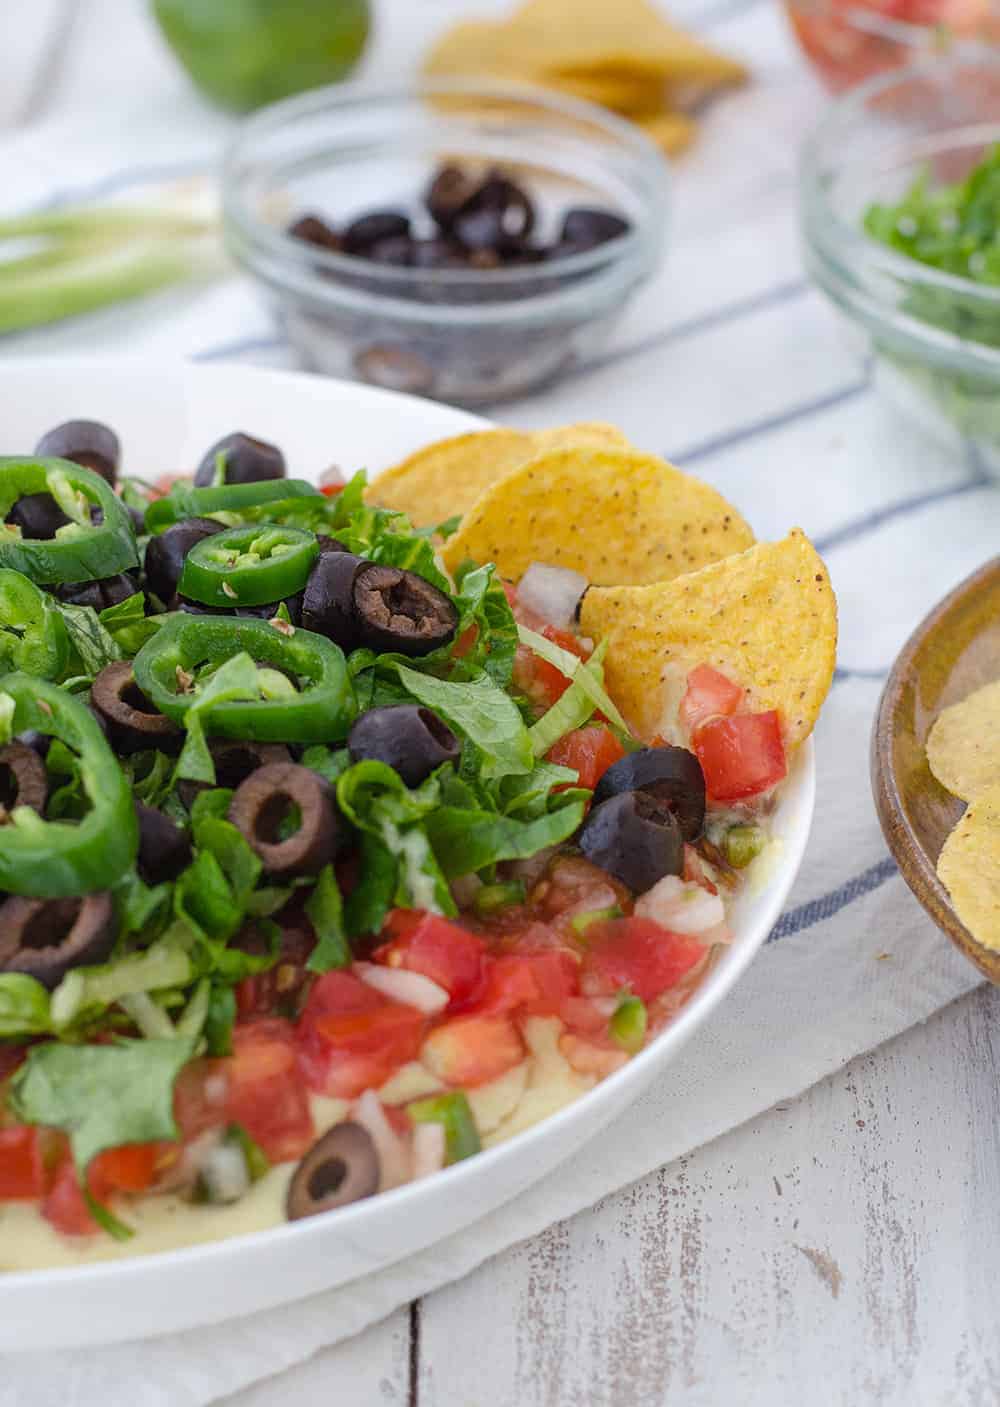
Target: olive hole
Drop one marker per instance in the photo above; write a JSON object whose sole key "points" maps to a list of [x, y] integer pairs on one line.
{"points": [[51, 924], [135, 698], [8, 785], [277, 819], [327, 1179]]}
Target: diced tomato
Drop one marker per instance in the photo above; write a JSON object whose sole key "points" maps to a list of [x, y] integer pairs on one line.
{"points": [[709, 695], [465, 642], [259, 1086], [352, 1039], [165, 483], [584, 1015], [741, 756], [551, 681], [266, 1094], [64, 1204], [281, 989], [23, 1174], [471, 1050], [638, 955], [11, 1057], [573, 885], [533, 984], [510, 591], [446, 953], [131, 1168], [589, 751], [331, 490]]}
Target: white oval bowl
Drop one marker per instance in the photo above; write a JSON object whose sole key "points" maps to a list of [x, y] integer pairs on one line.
{"points": [[166, 415]]}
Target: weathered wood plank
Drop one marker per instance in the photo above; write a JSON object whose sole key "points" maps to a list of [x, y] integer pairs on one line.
{"points": [[846, 1242], [372, 1370]]}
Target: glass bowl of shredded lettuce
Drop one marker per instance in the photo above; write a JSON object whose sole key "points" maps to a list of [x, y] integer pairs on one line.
{"points": [[900, 214]]}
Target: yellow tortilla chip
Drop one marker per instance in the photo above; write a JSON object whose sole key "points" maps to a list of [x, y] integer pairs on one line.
{"points": [[671, 131], [969, 868], [445, 479], [614, 515], [964, 745], [766, 618], [623, 93]]}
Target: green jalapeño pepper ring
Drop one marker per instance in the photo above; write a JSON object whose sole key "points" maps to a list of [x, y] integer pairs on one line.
{"points": [[248, 566], [81, 550], [321, 709], [183, 501], [63, 859], [33, 638]]}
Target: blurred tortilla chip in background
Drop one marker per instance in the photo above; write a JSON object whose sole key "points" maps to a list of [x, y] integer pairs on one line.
{"points": [[623, 55]]}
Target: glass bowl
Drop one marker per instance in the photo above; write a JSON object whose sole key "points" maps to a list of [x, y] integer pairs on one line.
{"points": [[469, 336], [934, 338]]}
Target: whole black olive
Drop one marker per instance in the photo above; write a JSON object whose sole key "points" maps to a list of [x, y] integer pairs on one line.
{"points": [[340, 1168], [406, 737], [108, 591], [368, 230], [234, 761], [585, 227], [45, 938], [24, 780], [500, 215], [133, 724], [634, 837], [313, 229], [247, 461], [328, 599], [38, 515], [400, 611], [86, 442], [671, 774], [261, 808], [164, 849], [165, 554]]}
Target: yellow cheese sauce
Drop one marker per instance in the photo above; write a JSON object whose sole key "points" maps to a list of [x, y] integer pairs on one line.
{"points": [[519, 1098]]}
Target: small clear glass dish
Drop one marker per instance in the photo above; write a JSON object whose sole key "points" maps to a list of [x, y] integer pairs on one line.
{"points": [[934, 338], [469, 336]]}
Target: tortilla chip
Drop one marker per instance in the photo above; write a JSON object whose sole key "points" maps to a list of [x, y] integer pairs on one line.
{"points": [[671, 131], [969, 868], [964, 745], [628, 95], [446, 478], [614, 515], [766, 618]]}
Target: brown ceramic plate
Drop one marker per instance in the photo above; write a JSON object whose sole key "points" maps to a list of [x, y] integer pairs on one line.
{"points": [[955, 650]]}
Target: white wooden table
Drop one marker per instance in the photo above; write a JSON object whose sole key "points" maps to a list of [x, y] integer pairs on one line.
{"points": [[839, 1249]]}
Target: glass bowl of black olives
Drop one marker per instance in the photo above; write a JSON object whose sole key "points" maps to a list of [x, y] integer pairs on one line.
{"points": [[466, 241]]}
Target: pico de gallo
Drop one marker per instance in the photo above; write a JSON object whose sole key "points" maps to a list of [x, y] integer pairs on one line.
{"points": [[320, 869]]}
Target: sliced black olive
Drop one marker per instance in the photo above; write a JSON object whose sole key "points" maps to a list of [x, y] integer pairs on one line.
{"points": [[292, 604], [634, 837], [44, 938], [400, 611], [164, 849], [340, 1168], [38, 515], [248, 461], [165, 554], [499, 216], [38, 742], [585, 227], [268, 801], [133, 724], [438, 254], [406, 737], [108, 591], [85, 442], [451, 191], [329, 544], [396, 250], [234, 761], [328, 600], [671, 774], [313, 229], [362, 234], [23, 778]]}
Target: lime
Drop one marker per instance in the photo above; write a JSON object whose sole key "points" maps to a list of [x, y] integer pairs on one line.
{"points": [[244, 53]]}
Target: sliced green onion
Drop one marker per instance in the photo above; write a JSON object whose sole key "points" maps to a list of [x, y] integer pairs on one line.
{"points": [[576, 669], [628, 1024], [492, 898], [452, 1110], [581, 922], [742, 844]]}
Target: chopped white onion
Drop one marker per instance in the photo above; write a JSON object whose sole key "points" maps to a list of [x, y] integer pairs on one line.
{"points": [[428, 1149], [680, 907], [393, 1154], [551, 592], [224, 1173], [399, 985]]}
